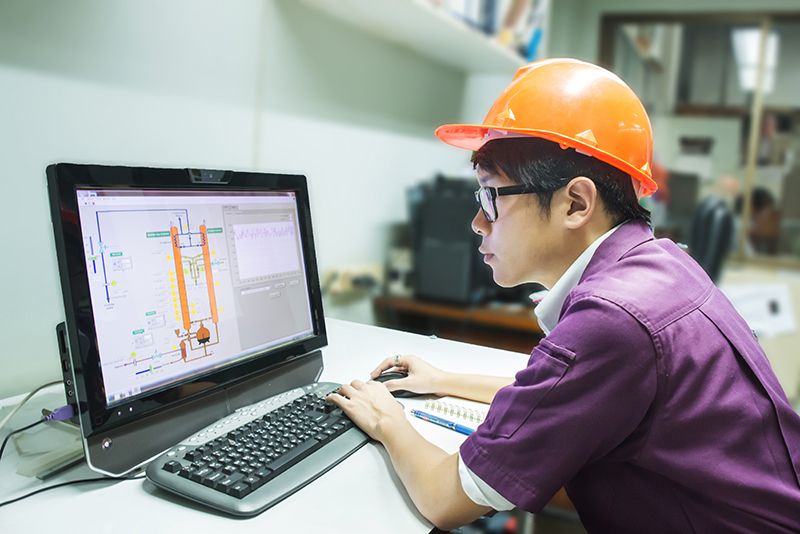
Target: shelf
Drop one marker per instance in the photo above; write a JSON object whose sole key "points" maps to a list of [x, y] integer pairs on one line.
{"points": [[426, 29]]}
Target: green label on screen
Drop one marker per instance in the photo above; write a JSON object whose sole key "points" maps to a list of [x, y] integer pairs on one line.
{"points": [[150, 313], [214, 230], [136, 332], [114, 254], [157, 234]]}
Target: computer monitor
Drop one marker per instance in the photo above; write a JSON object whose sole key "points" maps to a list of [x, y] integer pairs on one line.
{"points": [[188, 293]]}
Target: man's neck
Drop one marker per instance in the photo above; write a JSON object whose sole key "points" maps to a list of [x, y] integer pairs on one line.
{"points": [[575, 242]]}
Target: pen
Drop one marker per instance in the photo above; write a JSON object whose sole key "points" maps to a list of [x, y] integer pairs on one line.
{"points": [[442, 422]]}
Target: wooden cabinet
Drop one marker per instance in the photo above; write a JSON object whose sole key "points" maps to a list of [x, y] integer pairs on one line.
{"points": [[507, 327]]}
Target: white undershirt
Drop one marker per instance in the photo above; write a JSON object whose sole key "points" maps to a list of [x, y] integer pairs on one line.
{"points": [[547, 311]]}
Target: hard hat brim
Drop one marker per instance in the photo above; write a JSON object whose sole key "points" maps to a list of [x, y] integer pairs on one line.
{"points": [[473, 137]]}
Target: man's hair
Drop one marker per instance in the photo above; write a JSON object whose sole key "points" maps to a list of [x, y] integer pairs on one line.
{"points": [[544, 167]]}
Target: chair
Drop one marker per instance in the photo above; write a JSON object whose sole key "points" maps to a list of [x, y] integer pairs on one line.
{"points": [[712, 235]]}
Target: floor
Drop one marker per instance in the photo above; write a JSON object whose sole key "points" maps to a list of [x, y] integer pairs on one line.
{"points": [[548, 522], [551, 524]]}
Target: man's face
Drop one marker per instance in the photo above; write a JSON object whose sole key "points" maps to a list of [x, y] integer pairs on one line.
{"points": [[522, 245]]}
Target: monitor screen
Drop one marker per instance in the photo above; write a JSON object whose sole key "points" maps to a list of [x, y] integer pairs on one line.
{"points": [[181, 282], [174, 287]]}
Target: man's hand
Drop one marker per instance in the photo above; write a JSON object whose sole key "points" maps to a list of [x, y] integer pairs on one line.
{"points": [[370, 406], [422, 376]]}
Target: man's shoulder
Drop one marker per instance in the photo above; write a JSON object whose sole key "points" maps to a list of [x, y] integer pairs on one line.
{"points": [[653, 280]]}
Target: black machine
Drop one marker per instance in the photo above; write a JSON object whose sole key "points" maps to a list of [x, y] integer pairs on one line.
{"points": [[193, 330], [447, 264]]}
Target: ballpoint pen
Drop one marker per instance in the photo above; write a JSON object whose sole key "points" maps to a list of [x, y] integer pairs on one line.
{"points": [[442, 422]]}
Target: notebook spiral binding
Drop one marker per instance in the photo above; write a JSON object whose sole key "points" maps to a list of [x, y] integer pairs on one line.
{"points": [[462, 412]]}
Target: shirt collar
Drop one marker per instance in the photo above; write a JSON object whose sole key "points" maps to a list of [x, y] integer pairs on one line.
{"points": [[548, 310]]}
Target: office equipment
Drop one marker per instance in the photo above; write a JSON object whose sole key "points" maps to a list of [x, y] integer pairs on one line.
{"points": [[189, 294], [363, 486], [394, 375], [244, 463], [447, 265], [461, 429]]}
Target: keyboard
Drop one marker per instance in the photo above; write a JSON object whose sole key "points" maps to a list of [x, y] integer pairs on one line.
{"points": [[261, 454]]}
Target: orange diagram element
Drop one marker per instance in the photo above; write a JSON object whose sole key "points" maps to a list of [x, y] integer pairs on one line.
{"points": [[212, 299], [203, 335], [176, 253]]}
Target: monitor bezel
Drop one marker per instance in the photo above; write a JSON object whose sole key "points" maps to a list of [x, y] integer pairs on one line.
{"points": [[64, 180]]}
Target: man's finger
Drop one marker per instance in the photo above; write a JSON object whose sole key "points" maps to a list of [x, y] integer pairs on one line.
{"points": [[337, 399], [347, 390], [388, 363]]}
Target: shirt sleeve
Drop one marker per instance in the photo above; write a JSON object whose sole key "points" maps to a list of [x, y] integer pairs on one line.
{"points": [[587, 388], [479, 491]]}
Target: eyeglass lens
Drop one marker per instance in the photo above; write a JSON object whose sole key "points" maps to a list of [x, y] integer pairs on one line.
{"points": [[484, 195]]}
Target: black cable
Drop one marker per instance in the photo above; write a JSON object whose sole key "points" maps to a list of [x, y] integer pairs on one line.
{"points": [[5, 441], [81, 481]]}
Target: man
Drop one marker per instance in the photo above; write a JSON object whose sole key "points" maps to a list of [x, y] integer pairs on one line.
{"points": [[649, 398]]}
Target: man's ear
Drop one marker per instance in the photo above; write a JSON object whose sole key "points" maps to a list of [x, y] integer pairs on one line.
{"points": [[581, 199]]}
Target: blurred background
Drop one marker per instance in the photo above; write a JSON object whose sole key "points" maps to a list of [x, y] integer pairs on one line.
{"points": [[349, 94]]}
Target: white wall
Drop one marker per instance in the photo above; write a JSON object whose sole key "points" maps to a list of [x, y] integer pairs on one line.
{"points": [[725, 153], [252, 84]]}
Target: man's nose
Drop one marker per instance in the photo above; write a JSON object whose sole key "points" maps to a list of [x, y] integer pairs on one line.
{"points": [[480, 225]]}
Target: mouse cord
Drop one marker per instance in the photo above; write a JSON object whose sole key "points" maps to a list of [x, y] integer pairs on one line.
{"points": [[69, 483]]}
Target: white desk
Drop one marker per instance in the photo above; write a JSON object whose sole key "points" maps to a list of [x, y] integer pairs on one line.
{"points": [[362, 494]]}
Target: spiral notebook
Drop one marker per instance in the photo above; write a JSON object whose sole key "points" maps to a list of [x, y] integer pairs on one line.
{"points": [[470, 411]]}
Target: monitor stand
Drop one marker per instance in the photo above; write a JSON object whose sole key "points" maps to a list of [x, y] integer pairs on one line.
{"points": [[119, 450]]}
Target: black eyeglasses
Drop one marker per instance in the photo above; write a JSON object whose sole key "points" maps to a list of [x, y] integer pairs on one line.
{"points": [[487, 198]]}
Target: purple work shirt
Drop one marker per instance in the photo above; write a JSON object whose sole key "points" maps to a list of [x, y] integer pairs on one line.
{"points": [[651, 401]]}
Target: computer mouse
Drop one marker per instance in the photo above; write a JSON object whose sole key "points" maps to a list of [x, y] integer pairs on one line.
{"points": [[394, 375]]}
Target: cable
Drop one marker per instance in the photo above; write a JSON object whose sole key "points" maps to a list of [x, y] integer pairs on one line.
{"points": [[81, 481], [39, 422], [23, 401], [65, 412], [59, 414]]}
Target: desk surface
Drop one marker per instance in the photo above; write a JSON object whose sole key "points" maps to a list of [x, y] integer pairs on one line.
{"points": [[362, 494]]}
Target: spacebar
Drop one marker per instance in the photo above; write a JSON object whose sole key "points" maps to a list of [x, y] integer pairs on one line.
{"points": [[291, 457]]}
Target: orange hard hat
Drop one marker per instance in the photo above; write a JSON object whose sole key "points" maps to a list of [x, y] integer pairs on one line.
{"points": [[575, 104]]}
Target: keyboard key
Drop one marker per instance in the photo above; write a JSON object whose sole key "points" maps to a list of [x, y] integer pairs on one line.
{"points": [[212, 479], [193, 455], [253, 481], [200, 474], [239, 490], [265, 474], [173, 466], [285, 461], [186, 472]]}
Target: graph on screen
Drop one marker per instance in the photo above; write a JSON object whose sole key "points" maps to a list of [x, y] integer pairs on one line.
{"points": [[266, 248]]}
